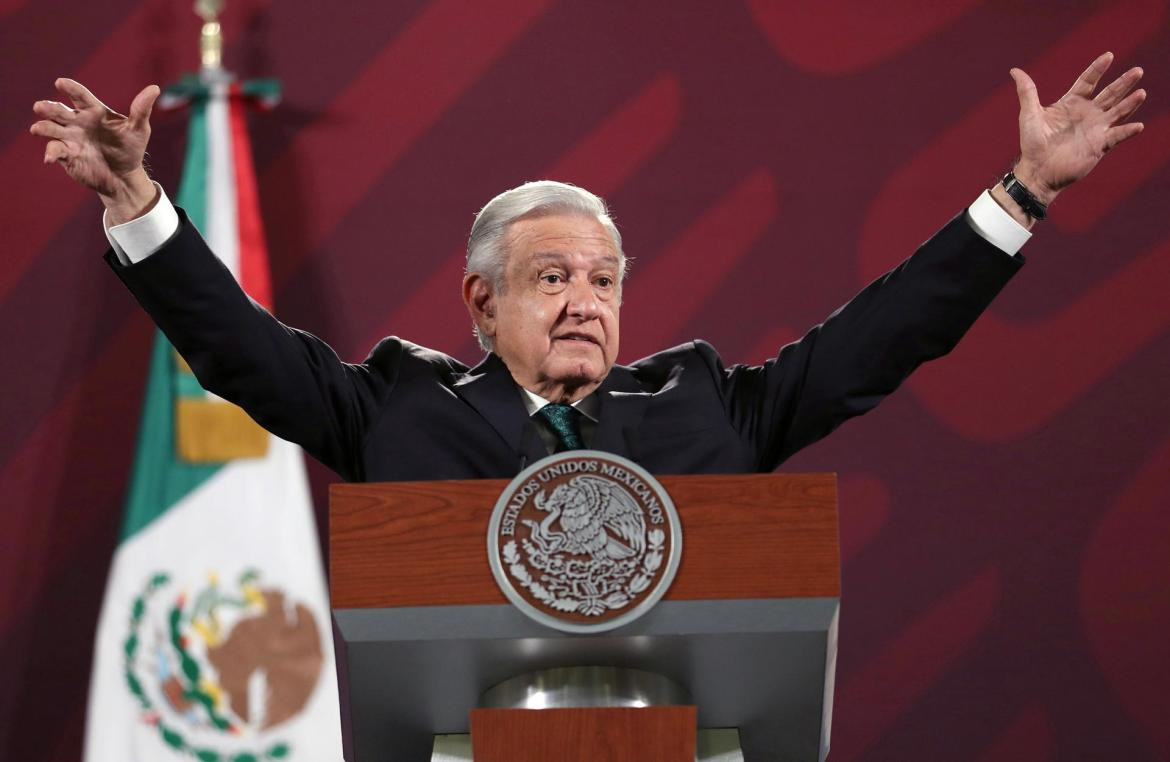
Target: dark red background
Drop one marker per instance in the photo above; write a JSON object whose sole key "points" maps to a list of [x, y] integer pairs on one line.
{"points": [[1005, 517]]}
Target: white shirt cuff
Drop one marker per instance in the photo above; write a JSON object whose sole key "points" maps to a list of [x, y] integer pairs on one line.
{"points": [[137, 239], [996, 226]]}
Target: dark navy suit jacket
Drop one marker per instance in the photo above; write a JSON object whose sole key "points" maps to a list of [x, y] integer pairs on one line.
{"points": [[410, 413]]}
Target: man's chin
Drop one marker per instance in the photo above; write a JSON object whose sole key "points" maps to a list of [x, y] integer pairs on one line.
{"points": [[577, 373]]}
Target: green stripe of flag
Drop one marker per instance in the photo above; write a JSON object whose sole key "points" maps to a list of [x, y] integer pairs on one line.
{"points": [[193, 187], [159, 479]]}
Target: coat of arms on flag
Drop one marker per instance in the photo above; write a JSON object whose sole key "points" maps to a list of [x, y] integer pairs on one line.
{"points": [[226, 664]]}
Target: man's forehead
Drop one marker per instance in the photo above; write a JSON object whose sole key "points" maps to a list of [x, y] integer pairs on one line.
{"points": [[556, 231]]}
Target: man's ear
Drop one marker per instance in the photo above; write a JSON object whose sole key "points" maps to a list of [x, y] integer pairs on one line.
{"points": [[481, 303]]}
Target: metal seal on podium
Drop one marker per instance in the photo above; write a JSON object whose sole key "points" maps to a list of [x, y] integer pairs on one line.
{"points": [[584, 541]]}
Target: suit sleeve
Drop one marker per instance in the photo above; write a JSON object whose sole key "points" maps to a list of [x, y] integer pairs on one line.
{"points": [[289, 381], [846, 365]]}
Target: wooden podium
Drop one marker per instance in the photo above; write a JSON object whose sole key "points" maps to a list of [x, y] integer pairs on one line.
{"points": [[748, 628]]}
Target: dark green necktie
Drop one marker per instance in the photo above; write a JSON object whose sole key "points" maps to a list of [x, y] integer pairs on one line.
{"points": [[563, 420]]}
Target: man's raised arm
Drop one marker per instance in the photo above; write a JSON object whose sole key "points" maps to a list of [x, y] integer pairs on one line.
{"points": [[289, 381], [922, 308]]}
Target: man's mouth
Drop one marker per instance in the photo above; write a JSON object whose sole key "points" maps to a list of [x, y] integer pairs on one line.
{"points": [[578, 337]]}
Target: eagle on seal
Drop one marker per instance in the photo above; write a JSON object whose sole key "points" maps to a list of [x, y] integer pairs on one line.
{"points": [[597, 518]]}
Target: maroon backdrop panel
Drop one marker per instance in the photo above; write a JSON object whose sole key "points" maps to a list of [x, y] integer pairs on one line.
{"points": [[1005, 515]]}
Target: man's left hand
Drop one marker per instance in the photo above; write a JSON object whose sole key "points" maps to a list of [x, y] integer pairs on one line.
{"points": [[1061, 143]]}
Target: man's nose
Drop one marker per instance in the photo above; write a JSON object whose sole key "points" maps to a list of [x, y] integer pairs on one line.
{"points": [[583, 302]]}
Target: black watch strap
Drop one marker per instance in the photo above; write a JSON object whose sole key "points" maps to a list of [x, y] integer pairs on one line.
{"points": [[1022, 196]]}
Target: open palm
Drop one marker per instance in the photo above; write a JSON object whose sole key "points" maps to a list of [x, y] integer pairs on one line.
{"points": [[1061, 143]]}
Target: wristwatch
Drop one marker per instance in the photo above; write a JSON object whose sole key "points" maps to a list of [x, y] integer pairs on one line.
{"points": [[1022, 196]]}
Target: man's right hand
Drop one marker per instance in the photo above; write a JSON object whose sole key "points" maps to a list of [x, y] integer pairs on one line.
{"points": [[100, 148]]}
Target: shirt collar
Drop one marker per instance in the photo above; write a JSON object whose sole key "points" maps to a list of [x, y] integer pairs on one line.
{"points": [[586, 406]]}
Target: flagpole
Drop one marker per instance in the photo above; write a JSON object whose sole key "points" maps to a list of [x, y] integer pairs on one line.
{"points": [[197, 655]]}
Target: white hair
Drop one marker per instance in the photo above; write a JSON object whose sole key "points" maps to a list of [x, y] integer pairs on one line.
{"points": [[487, 252]]}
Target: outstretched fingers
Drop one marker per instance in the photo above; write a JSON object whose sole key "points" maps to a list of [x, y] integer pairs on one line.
{"points": [[55, 111], [77, 92], [1117, 89], [1115, 136], [1088, 80], [51, 130], [1124, 110], [142, 105], [1026, 91]]}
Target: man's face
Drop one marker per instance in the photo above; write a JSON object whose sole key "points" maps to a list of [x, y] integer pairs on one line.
{"points": [[556, 319]]}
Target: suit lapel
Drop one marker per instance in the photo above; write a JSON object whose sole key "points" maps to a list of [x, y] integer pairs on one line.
{"points": [[489, 388], [621, 405]]}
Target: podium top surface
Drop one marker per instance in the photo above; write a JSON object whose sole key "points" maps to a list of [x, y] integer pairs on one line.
{"points": [[755, 536]]}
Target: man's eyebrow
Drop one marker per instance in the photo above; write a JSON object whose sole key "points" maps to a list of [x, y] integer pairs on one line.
{"points": [[557, 256]]}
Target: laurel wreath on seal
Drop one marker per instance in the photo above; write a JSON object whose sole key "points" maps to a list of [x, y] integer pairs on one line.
{"points": [[587, 605]]}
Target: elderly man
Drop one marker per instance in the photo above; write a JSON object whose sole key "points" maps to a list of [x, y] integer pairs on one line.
{"points": [[543, 287]]}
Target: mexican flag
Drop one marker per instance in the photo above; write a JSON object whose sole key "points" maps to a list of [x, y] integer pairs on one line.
{"points": [[214, 641]]}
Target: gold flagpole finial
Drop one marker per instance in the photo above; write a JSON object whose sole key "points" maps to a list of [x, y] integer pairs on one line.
{"points": [[211, 39]]}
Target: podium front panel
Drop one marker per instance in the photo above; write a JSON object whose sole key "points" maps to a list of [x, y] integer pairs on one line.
{"points": [[763, 663]]}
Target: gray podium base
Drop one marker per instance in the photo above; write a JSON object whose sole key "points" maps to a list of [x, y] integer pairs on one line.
{"points": [[714, 745], [763, 666]]}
